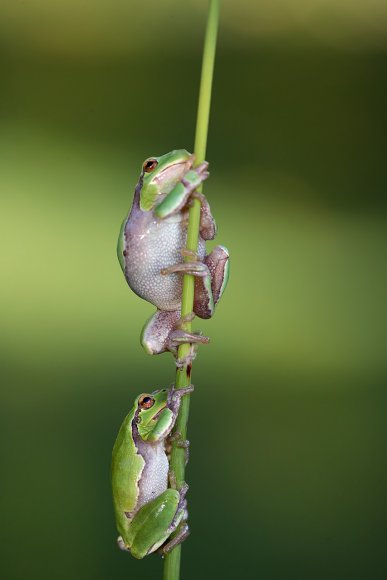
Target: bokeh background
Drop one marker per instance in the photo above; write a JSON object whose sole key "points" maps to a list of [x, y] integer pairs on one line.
{"points": [[288, 421]]}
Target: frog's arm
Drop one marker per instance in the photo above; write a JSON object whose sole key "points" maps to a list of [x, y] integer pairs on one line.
{"points": [[178, 197], [161, 428]]}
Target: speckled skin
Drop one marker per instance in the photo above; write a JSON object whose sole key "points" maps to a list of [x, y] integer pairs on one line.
{"points": [[152, 244], [150, 249]]}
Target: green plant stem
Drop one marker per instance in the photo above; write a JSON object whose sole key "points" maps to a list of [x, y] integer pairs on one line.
{"points": [[183, 375]]}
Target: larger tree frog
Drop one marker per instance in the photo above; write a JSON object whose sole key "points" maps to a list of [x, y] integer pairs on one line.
{"points": [[152, 242], [147, 510]]}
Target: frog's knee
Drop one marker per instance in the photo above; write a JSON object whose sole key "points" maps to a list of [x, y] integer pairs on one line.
{"points": [[151, 345], [155, 334]]}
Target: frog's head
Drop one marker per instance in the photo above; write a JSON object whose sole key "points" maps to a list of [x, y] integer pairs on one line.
{"points": [[161, 174], [153, 418]]}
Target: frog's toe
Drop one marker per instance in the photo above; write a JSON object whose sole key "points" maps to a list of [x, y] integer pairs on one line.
{"points": [[186, 360], [193, 268], [178, 337], [181, 534]]}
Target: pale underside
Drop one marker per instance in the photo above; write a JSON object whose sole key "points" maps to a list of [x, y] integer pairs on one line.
{"points": [[152, 245]]}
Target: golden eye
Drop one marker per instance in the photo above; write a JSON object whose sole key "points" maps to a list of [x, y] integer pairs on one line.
{"points": [[149, 165], [146, 402]]}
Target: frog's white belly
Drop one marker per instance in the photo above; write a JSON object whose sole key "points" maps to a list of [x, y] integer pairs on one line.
{"points": [[156, 245], [154, 477]]}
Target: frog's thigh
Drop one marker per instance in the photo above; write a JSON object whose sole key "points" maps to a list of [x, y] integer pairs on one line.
{"points": [[207, 294], [150, 527], [154, 336]]}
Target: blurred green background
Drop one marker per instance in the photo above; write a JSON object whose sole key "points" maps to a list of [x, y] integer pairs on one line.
{"points": [[288, 421]]}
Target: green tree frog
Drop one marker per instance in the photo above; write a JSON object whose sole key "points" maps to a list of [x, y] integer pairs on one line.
{"points": [[152, 243], [147, 508]]}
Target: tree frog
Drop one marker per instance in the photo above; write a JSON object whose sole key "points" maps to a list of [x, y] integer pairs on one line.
{"points": [[147, 509], [151, 247]]}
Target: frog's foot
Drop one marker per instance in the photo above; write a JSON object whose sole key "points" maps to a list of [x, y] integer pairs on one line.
{"points": [[181, 512], [187, 318], [121, 544], [186, 360], [179, 521], [190, 253], [180, 336], [155, 336], [208, 291], [172, 479], [194, 268], [181, 534], [173, 485], [180, 442]]}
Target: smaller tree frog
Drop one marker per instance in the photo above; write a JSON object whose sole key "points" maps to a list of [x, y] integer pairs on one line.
{"points": [[147, 507]]}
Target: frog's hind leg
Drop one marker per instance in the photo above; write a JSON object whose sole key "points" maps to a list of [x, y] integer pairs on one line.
{"points": [[154, 523], [163, 332], [178, 525], [209, 291], [156, 331], [181, 534]]}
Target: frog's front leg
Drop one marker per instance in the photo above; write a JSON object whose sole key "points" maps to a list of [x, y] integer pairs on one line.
{"points": [[180, 194], [183, 444], [163, 332]]}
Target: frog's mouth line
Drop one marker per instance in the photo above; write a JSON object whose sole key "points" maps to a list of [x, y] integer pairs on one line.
{"points": [[155, 417], [188, 163]]}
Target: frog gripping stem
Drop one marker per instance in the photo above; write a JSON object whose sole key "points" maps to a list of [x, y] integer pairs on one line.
{"points": [[161, 249], [183, 371]]}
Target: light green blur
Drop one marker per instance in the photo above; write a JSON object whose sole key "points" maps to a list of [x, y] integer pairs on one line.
{"points": [[287, 466]]}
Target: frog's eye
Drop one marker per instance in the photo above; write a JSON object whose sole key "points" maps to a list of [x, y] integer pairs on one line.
{"points": [[149, 165], [146, 402]]}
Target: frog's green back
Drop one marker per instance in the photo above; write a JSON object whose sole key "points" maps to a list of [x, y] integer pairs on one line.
{"points": [[127, 466]]}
